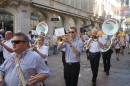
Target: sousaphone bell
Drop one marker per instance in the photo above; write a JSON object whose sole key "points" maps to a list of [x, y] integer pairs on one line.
{"points": [[109, 27]]}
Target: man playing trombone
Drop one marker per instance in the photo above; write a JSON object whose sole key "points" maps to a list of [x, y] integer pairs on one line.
{"points": [[73, 48], [32, 66]]}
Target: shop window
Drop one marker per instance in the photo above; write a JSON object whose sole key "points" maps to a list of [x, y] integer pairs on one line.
{"points": [[35, 18]]}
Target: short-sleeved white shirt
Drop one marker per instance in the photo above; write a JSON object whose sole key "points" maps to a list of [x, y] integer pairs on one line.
{"points": [[94, 46], [5, 52], [43, 50]]}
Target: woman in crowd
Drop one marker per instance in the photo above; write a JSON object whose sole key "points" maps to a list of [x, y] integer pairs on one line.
{"points": [[118, 47]]}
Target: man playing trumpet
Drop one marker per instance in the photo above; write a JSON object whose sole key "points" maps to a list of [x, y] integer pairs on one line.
{"points": [[94, 45], [73, 48], [30, 64]]}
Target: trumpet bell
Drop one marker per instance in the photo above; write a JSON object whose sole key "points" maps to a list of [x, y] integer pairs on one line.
{"points": [[60, 40]]}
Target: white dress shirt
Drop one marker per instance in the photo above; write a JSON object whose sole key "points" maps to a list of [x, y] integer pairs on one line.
{"points": [[43, 50], [5, 52]]}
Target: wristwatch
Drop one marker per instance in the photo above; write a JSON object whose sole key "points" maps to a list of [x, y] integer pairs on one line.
{"points": [[71, 45]]}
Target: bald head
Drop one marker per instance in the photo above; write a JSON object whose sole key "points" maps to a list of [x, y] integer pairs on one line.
{"points": [[8, 35], [94, 32]]}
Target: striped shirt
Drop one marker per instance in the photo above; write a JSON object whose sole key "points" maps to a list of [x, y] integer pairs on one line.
{"points": [[69, 54], [31, 64], [123, 41]]}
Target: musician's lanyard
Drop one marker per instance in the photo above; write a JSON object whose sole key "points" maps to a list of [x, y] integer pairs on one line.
{"points": [[21, 59], [19, 70]]}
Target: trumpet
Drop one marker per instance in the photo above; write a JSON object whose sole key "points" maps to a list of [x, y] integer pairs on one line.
{"points": [[60, 40], [32, 47], [94, 38]]}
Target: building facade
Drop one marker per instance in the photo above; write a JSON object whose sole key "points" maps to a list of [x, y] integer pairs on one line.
{"points": [[24, 15]]}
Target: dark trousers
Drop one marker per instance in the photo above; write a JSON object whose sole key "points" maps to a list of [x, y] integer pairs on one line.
{"points": [[94, 61], [106, 60], [63, 58], [71, 73], [55, 49], [46, 62]]}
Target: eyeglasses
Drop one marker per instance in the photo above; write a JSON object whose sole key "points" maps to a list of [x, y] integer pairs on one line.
{"points": [[17, 41], [71, 32]]}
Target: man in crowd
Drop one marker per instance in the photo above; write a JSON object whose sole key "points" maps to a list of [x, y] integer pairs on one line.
{"points": [[54, 40], [73, 48], [31, 64], [7, 45]]}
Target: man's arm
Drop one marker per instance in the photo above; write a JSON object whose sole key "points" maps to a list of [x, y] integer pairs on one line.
{"points": [[76, 51], [1, 80], [43, 54], [36, 79], [7, 48]]}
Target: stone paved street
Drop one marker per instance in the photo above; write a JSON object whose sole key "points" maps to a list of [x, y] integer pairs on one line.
{"points": [[119, 72]]}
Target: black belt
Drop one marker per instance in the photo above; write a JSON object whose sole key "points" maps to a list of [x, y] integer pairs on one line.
{"points": [[94, 52], [70, 63]]}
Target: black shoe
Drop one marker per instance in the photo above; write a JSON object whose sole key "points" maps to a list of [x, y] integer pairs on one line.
{"points": [[107, 73], [94, 83], [117, 59]]}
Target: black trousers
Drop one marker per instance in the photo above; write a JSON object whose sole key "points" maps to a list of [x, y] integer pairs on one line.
{"points": [[106, 60], [94, 61], [63, 58], [72, 73]]}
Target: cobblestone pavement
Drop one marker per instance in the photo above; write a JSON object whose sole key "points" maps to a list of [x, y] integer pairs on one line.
{"points": [[119, 72]]}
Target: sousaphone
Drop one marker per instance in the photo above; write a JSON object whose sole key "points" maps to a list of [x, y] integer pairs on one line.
{"points": [[109, 27], [42, 27]]}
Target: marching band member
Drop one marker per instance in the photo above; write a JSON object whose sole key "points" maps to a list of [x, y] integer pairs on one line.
{"points": [[30, 63], [72, 56], [41, 49], [94, 45], [106, 55]]}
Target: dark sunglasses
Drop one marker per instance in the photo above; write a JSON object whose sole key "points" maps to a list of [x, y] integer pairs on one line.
{"points": [[17, 41], [71, 32]]}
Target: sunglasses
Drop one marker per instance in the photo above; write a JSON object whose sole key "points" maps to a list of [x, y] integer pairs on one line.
{"points": [[17, 41], [71, 32]]}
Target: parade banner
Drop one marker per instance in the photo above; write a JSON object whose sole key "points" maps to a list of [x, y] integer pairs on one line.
{"points": [[122, 11]]}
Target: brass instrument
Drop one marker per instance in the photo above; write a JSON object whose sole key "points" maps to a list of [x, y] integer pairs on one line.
{"points": [[94, 38], [109, 27], [32, 47], [60, 39]]}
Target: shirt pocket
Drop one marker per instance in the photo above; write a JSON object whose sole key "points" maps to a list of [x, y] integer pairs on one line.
{"points": [[27, 70]]}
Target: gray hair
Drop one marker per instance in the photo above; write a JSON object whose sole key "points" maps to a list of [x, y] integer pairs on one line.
{"points": [[41, 37], [24, 36]]}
